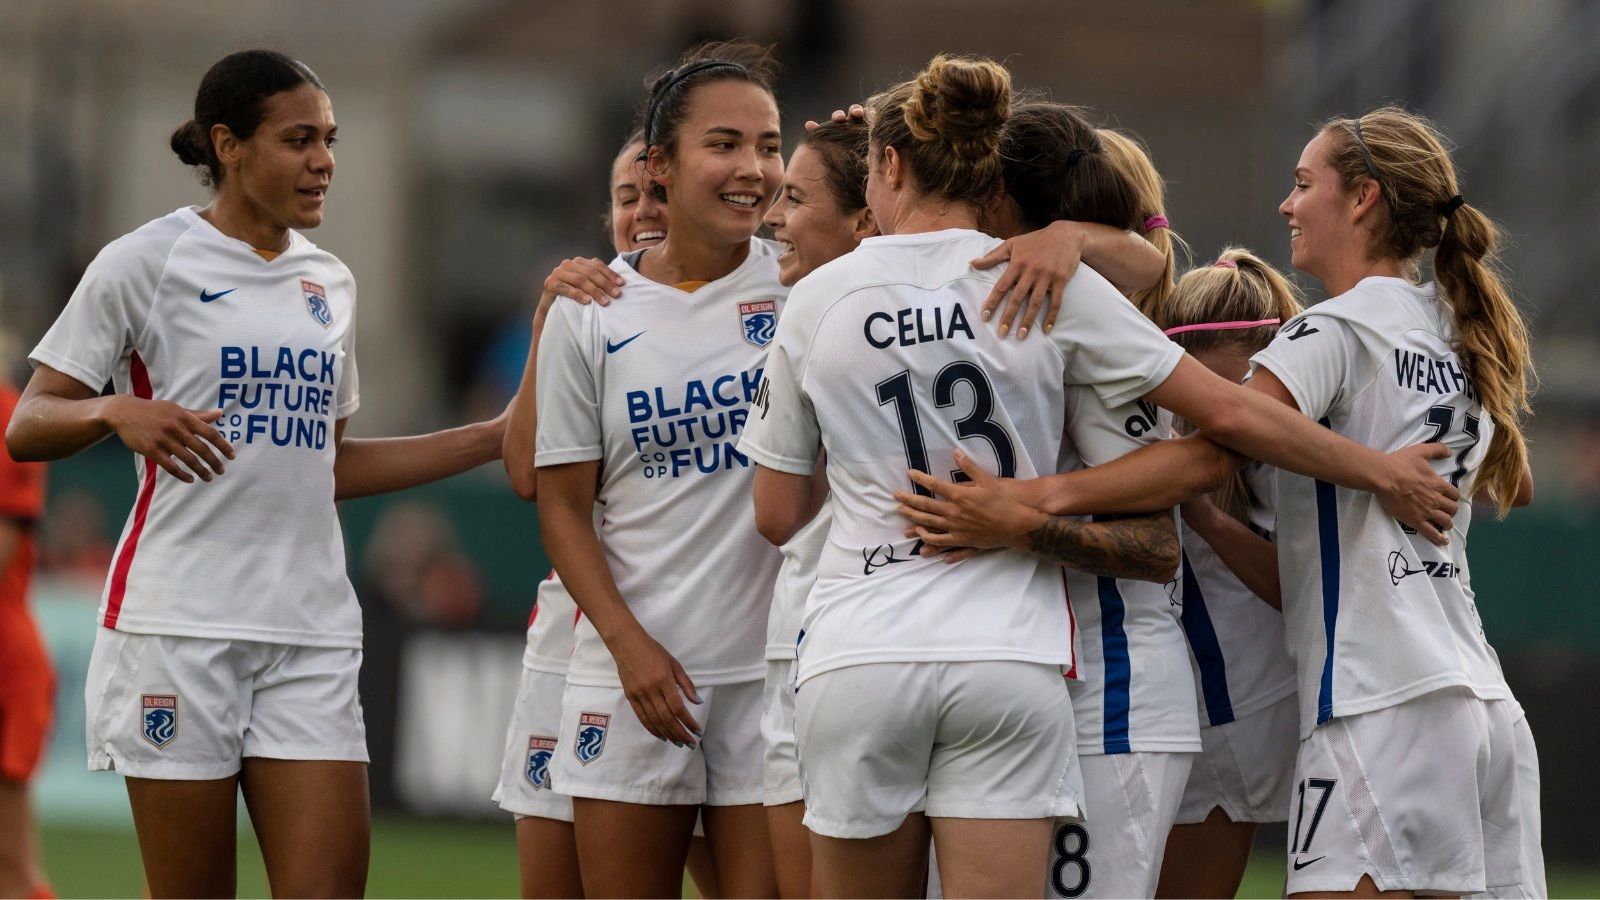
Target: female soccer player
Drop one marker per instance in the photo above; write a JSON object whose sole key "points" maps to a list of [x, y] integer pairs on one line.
{"points": [[1222, 314], [546, 848], [230, 636], [1390, 362], [821, 214], [646, 400], [911, 701]]}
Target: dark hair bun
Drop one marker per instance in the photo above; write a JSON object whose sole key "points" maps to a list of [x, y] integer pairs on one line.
{"points": [[963, 103], [189, 144]]}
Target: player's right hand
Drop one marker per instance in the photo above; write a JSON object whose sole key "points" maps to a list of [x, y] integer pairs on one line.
{"points": [[656, 685], [178, 440], [584, 279], [1417, 496]]}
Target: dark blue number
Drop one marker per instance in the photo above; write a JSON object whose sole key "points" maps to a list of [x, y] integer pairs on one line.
{"points": [[976, 423], [1065, 856], [1326, 786], [897, 390]]}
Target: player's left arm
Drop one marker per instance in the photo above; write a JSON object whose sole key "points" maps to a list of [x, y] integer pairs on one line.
{"points": [[1043, 261], [367, 466], [1143, 547]]}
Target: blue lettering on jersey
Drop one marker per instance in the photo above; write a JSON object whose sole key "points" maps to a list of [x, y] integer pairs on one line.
{"points": [[695, 429], [1431, 376], [283, 395], [916, 325]]}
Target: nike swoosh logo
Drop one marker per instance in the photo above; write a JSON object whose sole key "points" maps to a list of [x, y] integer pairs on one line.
{"points": [[207, 298], [1298, 865], [612, 348]]}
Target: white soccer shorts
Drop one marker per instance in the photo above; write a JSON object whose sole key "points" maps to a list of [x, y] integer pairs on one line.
{"points": [[606, 754], [525, 787], [1427, 796], [971, 740], [1130, 800], [184, 708], [782, 767], [1246, 767]]}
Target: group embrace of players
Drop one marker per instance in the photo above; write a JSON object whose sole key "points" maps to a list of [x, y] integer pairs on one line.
{"points": [[871, 575]]}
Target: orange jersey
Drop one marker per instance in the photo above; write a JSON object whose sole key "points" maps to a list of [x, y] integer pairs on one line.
{"points": [[26, 680]]}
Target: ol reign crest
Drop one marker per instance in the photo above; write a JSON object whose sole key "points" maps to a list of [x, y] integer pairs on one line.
{"points": [[759, 319], [317, 302], [538, 769], [591, 740], [160, 721]]}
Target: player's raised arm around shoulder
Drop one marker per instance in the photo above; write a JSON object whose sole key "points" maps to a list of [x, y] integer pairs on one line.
{"points": [[1042, 262]]}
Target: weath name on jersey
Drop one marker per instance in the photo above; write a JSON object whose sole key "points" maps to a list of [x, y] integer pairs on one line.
{"points": [[916, 325], [290, 390], [1431, 376], [695, 431]]}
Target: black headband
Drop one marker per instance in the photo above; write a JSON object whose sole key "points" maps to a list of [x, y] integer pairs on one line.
{"points": [[1373, 171], [660, 93]]}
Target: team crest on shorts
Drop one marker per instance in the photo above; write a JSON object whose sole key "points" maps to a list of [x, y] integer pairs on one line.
{"points": [[160, 720], [317, 302], [538, 768], [591, 740], [759, 319]]}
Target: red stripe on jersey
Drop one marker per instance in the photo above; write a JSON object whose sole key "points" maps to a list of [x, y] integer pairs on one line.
{"points": [[535, 614], [141, 508], [1072, 627]]}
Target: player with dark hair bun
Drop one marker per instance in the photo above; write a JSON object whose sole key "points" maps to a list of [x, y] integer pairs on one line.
{"points": [[230, 636]]}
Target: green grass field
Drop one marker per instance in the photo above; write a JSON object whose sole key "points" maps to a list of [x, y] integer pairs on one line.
{"points": [[432, 858]]}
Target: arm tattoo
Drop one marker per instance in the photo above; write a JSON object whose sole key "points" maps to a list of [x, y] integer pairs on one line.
{"points": [[1140, 547]]}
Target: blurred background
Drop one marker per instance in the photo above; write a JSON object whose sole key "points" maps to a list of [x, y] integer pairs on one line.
{"points": [[475, 141]]}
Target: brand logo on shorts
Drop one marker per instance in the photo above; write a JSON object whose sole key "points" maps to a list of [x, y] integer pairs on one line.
{"points": [[759, 319], [160, 718], [317, 302], [538, 769], [591, 736]]}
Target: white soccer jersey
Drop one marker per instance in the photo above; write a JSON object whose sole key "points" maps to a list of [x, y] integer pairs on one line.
{"points": [[883, 358], [1137, 691], [1375, 615], [795, 578], [1235, 639], [178, 311], [658, 389], [552, 628]]}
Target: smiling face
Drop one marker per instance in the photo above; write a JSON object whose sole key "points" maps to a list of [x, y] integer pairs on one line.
{"points": [[283, 169], [807, 219], [1325, 221], [637, 220], [727, 164]]}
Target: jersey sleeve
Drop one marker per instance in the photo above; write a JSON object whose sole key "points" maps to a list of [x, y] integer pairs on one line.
{"points": [[568, 389], [1317, 359], [1108, 344], [783, 433], [348, 396], [21, 484], [104, 317], [1101, 432]]}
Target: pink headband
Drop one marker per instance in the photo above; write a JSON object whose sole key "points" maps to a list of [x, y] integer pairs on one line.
{"points": [[1154, 222], [1219, 326]]}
